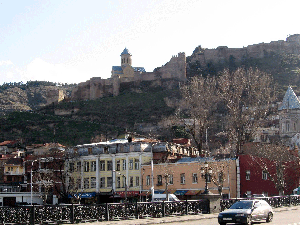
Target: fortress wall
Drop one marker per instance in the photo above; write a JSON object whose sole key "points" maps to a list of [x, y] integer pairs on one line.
{"points": [[175, 68]]}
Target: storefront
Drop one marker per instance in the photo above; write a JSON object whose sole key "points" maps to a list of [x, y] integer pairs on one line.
{"points": [[83, 198]]}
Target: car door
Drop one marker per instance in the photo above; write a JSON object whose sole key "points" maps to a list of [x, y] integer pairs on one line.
{"points": [[257, 213]]}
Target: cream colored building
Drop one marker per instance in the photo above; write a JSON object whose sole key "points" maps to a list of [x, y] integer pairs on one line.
{"points": [[103, 170]]}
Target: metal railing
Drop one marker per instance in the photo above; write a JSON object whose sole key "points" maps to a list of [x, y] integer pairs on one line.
{"points": [[59, 214], [275, 201]]}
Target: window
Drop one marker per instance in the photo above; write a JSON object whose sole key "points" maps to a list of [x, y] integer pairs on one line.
{"points": [[86, 183], [118, 165], [124, 164], [248, 175], [136, 164], [102, 165], [93, 182], [124, 182], [78, 166], [71, 167], [79, 183], [171, 180], [86, 166], [195, 178], [159, 180], [148, 180], [109, 181], [93, 166], [109, 165], [182, 178], [102, 182], [264, 175], [131, 164], [118, 182], [130, 181], [137, 181]]}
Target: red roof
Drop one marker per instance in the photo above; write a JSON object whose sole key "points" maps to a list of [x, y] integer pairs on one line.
{"points": [[4, 143]]}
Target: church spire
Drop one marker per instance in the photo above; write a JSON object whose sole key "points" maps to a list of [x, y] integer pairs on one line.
{"points": [[290, 100], [126, 58]]}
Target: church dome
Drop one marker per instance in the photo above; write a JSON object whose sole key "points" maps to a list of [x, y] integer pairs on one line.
{"points": [[125, 52]]}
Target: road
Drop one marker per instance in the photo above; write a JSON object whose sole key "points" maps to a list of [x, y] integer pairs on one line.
{"points": [[288, 217]]}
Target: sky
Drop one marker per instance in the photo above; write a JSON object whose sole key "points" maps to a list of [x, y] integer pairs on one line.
{"points": [[71, 41]]}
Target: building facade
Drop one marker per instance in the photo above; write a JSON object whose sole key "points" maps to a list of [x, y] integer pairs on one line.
{"points": [[187, 180]]}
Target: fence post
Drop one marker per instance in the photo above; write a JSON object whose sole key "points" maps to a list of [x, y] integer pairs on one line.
{"points": [[163, 209], [186, 207], [72, 218], [106, 212], [136, 211], [32, 218]]}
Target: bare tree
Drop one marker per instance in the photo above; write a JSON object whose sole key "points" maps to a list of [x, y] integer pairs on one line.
{"points": [[247, 95], [197, 104]]}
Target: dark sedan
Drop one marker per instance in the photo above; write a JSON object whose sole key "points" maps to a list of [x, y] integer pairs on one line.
{"points": [[246, 212]]}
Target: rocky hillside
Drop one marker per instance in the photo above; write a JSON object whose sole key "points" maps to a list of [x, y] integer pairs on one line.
{"points": [[30, 96]]}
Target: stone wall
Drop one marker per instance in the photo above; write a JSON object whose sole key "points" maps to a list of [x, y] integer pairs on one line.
{"points": [[222, 53], [97, 87]]}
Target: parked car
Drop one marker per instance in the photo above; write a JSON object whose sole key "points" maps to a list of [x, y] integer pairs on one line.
{"points": [[163, 197], [246, 212], [258, 196]]}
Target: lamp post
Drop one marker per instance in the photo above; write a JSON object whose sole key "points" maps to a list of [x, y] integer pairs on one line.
{"points": [[125, 187], [206, 171], [125, 182], [31, 186]]}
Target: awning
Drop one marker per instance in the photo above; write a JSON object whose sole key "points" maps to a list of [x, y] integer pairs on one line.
{"points": [[171, 191], [82, 195], [192, 192], [145, 193], [129, 193], [180, 192]]}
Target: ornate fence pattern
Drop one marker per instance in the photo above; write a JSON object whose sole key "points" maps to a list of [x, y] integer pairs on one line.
{"points": [[59, 214], [275, 201]]}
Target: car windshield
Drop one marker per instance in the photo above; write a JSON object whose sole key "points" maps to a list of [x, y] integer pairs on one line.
{"points": [[241, 205]]}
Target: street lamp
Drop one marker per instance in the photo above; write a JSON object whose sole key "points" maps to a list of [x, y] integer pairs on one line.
{"points": [[206, 171], [31, 186], [125, 181]]}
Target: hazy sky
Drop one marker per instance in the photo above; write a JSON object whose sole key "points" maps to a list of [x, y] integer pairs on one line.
{"points": [[71, 41]]}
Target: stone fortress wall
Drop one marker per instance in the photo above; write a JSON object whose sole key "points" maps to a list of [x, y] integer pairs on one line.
{"points": [[222, 53], [175, 69], [97, 87]]}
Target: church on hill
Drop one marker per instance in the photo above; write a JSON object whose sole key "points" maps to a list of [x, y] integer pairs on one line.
{"points": [[126, 70], [289, 118]]}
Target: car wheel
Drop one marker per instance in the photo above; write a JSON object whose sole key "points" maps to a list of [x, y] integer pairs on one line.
{"points": [[222, 223], [270, 217], [249, 222]]}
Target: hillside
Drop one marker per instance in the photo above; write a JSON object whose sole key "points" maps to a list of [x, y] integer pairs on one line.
{"points": [[30, 96], [95, 120], [26, 117]]}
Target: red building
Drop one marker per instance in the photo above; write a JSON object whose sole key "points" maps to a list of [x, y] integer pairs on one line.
{"points": [[255, 180]]}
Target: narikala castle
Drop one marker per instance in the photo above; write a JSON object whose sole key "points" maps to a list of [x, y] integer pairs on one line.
{"points": [[126, 75]]}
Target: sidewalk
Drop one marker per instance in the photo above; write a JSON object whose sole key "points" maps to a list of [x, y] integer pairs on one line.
{"points": [[173, 219]]}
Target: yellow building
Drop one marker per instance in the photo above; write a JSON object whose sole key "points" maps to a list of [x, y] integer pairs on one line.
{"points": [[107, 171]]}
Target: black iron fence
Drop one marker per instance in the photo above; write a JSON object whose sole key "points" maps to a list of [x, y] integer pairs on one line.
{"points": [[275, 201], [60, 214]]}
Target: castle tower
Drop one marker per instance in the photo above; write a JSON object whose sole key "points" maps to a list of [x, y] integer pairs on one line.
{"points": [[125, 58]]}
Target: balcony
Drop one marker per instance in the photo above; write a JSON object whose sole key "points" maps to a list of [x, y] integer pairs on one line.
{"points": [[14, 173]]}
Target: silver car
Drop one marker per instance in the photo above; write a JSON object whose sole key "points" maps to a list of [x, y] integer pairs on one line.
{"points": [[246, 212]]}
